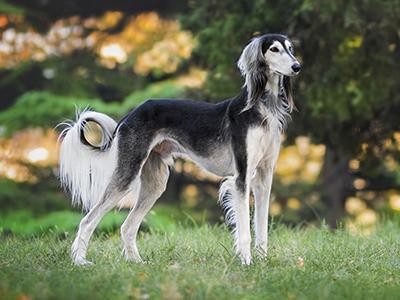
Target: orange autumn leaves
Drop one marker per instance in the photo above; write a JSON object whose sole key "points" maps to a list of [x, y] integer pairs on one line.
{"points": [[147, 42]]}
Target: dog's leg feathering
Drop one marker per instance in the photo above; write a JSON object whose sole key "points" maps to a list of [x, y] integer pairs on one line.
{"points": [[234, 197]]}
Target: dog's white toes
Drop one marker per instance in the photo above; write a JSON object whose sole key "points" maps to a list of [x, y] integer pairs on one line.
{"points": [[136, 260], [245, 258], [80, 261], [246, 261], [130, 256], [244, 253]]}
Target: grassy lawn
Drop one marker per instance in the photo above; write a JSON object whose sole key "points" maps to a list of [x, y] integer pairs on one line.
{"points": [[197, 263]]}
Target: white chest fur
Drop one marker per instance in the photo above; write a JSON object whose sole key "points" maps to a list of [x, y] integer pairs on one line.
{"points": [[262, 144]]}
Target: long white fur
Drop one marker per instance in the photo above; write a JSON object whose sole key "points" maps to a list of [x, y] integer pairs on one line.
{"points": [[225, 199], [228, 199], [84, 171]]}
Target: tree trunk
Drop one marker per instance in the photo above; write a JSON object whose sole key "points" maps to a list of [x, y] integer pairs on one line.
{"points": [[336, 185]]}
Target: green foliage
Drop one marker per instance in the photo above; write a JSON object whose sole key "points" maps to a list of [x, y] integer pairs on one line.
{"points": [[199, 264], [45, 109], [38, 197], [7, 8], [158, 90], [22, 222], [80, 76], [25, 222]]}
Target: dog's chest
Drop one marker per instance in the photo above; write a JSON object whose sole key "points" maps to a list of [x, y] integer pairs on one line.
{"points": [[261, 142]]}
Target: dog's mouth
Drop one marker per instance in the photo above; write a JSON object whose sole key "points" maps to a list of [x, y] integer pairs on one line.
{"points": [[279, 73], [292, 74]]}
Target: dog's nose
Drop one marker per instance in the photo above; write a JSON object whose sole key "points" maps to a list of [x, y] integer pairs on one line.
{"points": [[296, 67]]}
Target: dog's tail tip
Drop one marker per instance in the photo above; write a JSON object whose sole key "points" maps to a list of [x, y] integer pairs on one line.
{"points": [[96, 129]]}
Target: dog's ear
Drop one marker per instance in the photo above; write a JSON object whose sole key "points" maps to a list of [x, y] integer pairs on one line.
{"points": [[253, 67], [288, 90]]}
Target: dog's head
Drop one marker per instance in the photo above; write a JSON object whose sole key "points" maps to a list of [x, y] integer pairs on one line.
{"points": [[267, 55]]}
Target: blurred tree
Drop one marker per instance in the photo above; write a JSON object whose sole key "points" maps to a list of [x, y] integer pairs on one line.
{"points": [[76, 49], [347, 92], [43, 12], [45, 109]]}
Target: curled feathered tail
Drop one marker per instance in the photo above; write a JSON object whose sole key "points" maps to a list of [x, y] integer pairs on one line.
{"points": [[88, 157]]}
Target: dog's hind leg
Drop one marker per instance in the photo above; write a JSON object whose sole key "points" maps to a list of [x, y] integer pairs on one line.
{"points": [[125, 178], [154, 179], [89, 223]]}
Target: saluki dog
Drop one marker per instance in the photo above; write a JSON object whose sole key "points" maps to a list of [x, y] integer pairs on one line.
{"points": [[102, 161]]}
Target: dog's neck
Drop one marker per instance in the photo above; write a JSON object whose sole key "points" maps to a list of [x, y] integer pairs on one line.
{"points": [[271, 104], [273, 89], [273, 86]]}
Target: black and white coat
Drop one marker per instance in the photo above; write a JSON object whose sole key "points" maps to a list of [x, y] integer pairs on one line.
{"points": [[238, 139]]}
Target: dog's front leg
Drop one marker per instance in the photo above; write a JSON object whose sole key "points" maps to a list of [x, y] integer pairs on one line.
{"points": [[261, 187], [242, 211]]}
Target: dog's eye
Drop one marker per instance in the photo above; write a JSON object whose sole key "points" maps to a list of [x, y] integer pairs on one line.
{"points": [[274, 49]]}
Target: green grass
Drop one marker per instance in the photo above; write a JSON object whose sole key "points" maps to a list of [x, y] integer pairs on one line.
{"points": [[197, 263]]}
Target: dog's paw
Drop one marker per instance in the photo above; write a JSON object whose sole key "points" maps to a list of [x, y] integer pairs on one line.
{"points": [[244, 253], [78, 255], [80, 261], [246, 260], [245, 257], [132, 256]]}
